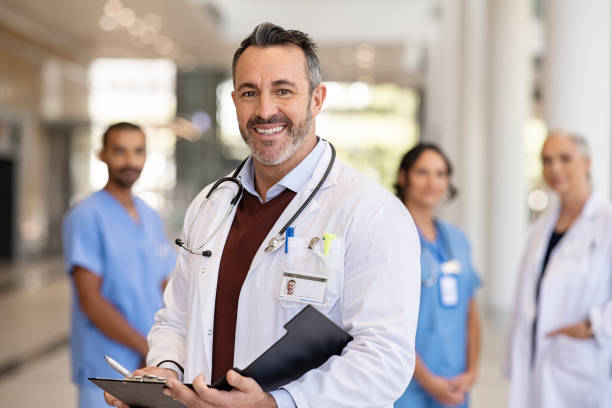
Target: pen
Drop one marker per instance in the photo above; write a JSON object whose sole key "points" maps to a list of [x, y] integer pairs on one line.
{"points": [[313, 242], [117, 367], [288, 234]]}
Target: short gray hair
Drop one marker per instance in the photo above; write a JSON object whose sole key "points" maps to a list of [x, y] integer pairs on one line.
{"points": [[579, 140], [268, 35]]}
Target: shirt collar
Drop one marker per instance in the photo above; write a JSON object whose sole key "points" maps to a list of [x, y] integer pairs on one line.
{"points": [[294, 180]]}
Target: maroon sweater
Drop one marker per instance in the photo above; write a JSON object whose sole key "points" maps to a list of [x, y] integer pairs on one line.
{"points": [[250, 227]]}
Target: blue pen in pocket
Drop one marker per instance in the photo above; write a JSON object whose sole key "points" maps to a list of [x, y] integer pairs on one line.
{"points": [[288, 234]]}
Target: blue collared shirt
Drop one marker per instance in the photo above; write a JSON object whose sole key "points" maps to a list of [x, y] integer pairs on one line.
{"points": [[294, 181]]}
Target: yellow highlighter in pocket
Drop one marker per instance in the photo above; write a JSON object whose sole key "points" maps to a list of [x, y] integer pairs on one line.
{"points": [[327, 241]]}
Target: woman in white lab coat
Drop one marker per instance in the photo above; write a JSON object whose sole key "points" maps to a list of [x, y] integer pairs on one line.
{"points": [[560, 352]]}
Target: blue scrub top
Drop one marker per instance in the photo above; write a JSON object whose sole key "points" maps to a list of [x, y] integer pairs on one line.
{"points": [[132, 258], [441, 338]]}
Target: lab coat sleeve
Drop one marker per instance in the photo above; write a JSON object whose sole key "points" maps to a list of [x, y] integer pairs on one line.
{"points": [[520, 288], [167, 338], [601, 323], [379, 309], [601, 317]]}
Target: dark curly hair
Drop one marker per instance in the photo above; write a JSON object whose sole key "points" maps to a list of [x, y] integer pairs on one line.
{"points": [[411, 157]]}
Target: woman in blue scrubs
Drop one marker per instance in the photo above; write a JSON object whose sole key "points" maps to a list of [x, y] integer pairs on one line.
{"points": [[448, 332]]}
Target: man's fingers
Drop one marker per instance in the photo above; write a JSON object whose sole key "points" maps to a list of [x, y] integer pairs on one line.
{"points": [[203, 397], [555, 332], [241, 383], [200, 387], [157, 371], [140, 371], [114, 402]]}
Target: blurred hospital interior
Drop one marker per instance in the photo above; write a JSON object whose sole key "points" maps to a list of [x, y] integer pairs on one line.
{"points": [[484, 79]]}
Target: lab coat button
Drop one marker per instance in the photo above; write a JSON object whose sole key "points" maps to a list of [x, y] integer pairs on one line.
{"points": [[203, 269], [210, 332]]}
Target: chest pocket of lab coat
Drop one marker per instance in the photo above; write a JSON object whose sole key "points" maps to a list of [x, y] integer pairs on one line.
{"points": [[301, 260], [573, 260]]}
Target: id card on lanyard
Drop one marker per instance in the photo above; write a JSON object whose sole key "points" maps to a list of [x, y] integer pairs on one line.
{"points": [[449, 283], [448, 268]]}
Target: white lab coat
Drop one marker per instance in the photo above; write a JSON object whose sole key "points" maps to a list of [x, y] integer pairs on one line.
{"points": [[373, 291], [577, 284]]}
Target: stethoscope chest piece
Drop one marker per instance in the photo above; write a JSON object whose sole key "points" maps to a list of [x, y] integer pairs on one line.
{"points": [[274, 243]]}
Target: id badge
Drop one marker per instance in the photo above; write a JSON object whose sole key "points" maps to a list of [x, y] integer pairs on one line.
{"points": [[303, 288], [452, 267], [449, 290]]}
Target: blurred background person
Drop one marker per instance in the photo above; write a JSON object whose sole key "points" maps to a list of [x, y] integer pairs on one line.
{"points": [[119, 259], [448, 332], [561, 341]]}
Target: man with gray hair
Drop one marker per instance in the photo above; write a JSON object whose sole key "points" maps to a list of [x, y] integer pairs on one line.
{"points": [[225, 308]]}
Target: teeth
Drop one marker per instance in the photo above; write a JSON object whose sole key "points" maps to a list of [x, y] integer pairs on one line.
{"points": [[269, 131]]}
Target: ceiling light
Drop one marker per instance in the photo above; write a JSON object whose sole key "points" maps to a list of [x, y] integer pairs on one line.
{"points": [[108, 23], [138, 28], [112, 7], [365, 56], [154, 21], [149, 36], [164, 45], [126, 17], [537, 200]]}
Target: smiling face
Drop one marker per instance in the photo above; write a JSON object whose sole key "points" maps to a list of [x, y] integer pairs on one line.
{"points": [[290, 287], [564, 166], [427, 181], [124, 153], [274, 107]]}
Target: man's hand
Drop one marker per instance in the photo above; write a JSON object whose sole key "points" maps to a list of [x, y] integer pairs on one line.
{"points": [[443, 391], [579, 330], [246, 393], [464, 381], [157, 371]]}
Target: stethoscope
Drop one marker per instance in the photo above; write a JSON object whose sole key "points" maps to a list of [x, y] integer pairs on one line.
{"points": [[276, 241], [434, 268]]}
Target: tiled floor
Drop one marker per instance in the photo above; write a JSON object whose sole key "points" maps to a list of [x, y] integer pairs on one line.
{"points": [[34, 316]]}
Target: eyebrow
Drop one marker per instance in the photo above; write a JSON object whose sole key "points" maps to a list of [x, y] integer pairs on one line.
{"points": [[283, 82], [246, 85], [278, 82]]}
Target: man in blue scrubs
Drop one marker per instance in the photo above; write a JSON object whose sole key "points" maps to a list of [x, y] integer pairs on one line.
{"points": [[119, 259]]}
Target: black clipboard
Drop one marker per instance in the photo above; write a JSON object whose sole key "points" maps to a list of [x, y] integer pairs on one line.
{"points": [[138, 394], [311, 339]]}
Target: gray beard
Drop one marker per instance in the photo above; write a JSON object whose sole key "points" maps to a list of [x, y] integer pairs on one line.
{"points": [[297, 135]]}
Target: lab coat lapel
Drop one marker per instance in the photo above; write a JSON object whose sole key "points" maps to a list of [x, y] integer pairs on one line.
{"points": [[579, 230], [207, 267], [534, 261], [543, 241], [296, 203]]}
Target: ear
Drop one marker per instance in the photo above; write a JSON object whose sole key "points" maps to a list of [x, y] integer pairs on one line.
{"points": [[101, 155], [234, 97], [318, 97], [401, 178]]}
